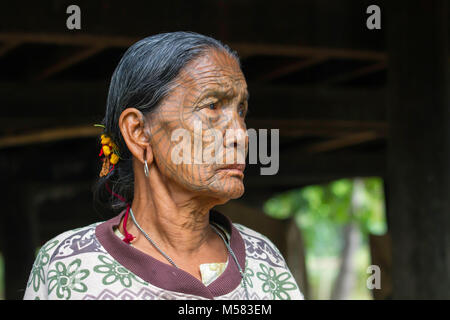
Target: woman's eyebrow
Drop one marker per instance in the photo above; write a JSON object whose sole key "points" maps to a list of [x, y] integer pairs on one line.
{"points": [[219, 92]]}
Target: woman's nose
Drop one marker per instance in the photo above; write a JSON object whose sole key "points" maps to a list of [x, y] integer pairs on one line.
{"points": [[236, 134]]}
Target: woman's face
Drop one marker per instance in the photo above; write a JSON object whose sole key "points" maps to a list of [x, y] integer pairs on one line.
{"points": [[198, 132]]}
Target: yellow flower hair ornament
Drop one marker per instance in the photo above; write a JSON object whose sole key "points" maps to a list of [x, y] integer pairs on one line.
{"points": [[109, 151]]}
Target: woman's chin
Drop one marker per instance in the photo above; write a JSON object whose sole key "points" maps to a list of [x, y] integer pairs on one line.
{"points": [[231, 188]]}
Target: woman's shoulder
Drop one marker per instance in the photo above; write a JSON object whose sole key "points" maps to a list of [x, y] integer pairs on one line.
{"points": [[61, 255], [251, 237], [248, 232], [256, 241], [71, 243], [266, 266]]}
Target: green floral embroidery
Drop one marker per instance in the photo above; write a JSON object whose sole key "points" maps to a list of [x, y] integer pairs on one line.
{"points": [[65, 279], [37, 272], [277, 285], [248, 274], [115, 272]]}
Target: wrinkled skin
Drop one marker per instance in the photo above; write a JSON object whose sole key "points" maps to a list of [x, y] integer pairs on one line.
{"points": [[213, 90]]}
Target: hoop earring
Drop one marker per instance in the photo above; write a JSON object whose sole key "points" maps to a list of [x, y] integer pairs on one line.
{"points": [[145, 168], [145, 163]]}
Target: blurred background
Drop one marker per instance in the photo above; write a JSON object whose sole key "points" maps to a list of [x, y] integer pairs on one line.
{"points": [[363, 114]]}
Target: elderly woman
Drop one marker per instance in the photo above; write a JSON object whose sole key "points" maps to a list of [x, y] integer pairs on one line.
{"points": [[166, 241]]}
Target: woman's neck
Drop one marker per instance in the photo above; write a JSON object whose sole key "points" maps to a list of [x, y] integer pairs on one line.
{"points": [[178, 221], [176, 228]]}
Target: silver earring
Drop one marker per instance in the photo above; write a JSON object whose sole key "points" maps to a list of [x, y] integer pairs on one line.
{"points": [[145, 168]]}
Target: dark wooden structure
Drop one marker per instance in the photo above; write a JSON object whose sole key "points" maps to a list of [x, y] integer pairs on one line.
{"points": [[419, 149], [348, 101]]}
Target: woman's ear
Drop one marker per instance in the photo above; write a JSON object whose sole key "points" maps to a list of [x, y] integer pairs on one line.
{"points": [[148, 152], [132, 125]]}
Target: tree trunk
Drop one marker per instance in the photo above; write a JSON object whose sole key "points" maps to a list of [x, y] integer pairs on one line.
{"points": [[346, 277], [296, 257]]}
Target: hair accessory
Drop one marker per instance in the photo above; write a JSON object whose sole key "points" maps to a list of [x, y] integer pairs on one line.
{"points": [[109, 151], [128, 236]]}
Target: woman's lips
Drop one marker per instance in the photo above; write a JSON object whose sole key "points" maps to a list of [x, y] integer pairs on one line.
{"points": [[234, 169]]}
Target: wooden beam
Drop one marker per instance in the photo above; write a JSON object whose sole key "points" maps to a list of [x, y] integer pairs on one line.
{"points": [[291, 68], [77, 39], [69, 61], [64, 100], [358, 73], [8, 46], [348, 132], [252, 49], [314, 102], [296, 22], [48, 135], [244, 48], [342, 142], [346, 129], [297, 168]]}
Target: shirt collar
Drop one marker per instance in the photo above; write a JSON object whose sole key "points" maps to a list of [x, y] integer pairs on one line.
{"points": [[166, 276]]}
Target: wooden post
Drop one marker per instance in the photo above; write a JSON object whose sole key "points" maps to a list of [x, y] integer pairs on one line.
{"points": [[419, 148], [18, 239]]}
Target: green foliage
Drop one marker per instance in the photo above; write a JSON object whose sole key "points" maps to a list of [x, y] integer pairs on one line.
{"points": [[321, 211], [371, 216]]}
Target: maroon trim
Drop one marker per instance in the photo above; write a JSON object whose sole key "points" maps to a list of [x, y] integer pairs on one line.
{"points": [[166, 276]]}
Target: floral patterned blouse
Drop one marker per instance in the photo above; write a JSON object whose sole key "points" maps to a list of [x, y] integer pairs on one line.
{"points": [[94, 263]]}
